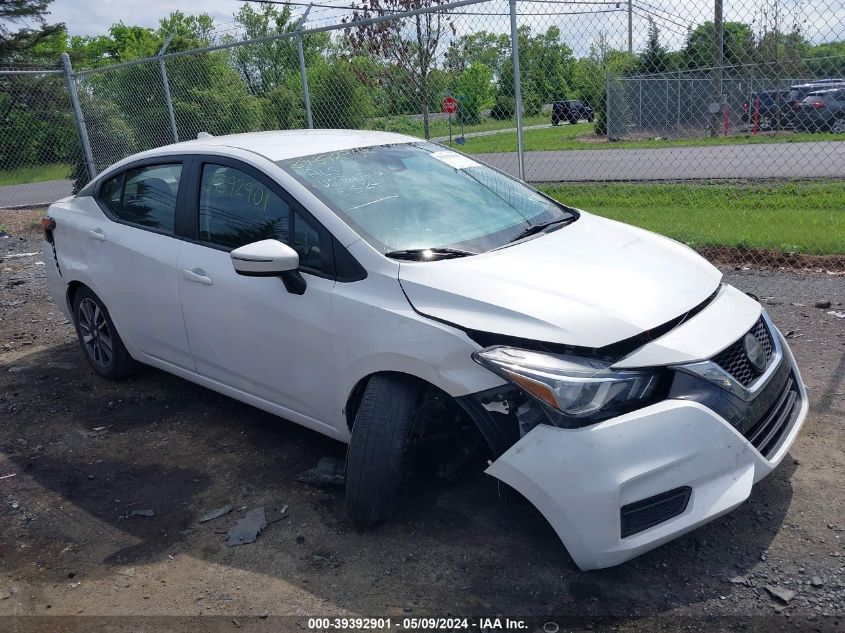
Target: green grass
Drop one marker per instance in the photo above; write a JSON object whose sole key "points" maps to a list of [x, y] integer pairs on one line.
{"points": [[440, 127], [565, 137], [804, 217], [23, 175]]}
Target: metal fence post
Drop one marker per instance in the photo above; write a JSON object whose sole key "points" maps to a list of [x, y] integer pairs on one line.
{"points": [[77, 115], [302, 72], [517, 89], [166, 84]]}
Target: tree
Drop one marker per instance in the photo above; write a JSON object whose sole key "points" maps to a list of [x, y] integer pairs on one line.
{"points": [[654, 58], [739, 47], [490, 49], [30, 18], [270, 65], [546, 69], [475, 91], [411, 43]]}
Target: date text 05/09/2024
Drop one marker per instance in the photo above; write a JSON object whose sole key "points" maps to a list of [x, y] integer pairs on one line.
{"points": [[417, 624]]}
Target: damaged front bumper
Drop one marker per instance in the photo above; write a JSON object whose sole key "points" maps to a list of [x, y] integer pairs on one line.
{"points": [[624, 486]]}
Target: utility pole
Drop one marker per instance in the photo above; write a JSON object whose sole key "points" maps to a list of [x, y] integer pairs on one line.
{"points": [[630, 27], [717, 104]]}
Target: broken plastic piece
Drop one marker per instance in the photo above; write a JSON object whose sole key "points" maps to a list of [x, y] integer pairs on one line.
{"points": [[329, 472]]}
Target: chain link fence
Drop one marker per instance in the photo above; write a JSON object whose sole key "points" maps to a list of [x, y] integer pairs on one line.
{"points": [[703, 122]]}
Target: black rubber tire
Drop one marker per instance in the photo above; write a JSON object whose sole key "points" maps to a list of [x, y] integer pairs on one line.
{"points": [[591, 118], [379, 460], [555, 121], [121, 364], [572, 120]]}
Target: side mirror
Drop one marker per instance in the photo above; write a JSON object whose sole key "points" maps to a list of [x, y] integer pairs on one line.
{"points": [[269, 258]]}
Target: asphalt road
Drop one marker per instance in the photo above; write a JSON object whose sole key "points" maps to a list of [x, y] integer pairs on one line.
{"points": [[35, 193], [764, 160]]}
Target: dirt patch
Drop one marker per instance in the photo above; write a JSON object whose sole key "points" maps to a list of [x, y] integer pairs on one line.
{"points": [[84, 453], [761, 258]]}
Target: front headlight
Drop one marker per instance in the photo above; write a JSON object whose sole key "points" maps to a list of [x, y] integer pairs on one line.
{"points": [[581, 390]]}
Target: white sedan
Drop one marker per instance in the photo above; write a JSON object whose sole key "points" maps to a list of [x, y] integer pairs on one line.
{"points": [[420, 306]]}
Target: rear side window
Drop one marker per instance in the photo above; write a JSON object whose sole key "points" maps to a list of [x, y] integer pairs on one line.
{"points": [[111, 192], [145, 196], [236, 209]]}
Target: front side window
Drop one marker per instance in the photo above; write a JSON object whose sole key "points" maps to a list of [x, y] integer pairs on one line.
{"points": [[236, 209], [422, 196], [149, 196]]}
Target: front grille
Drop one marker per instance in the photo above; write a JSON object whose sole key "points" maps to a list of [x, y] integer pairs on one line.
{"points": [[641, 515], [735, 361], [766, 435]]}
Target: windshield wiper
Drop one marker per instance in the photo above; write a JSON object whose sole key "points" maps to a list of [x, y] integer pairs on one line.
{"points": [[538, 228], [428, 254]]}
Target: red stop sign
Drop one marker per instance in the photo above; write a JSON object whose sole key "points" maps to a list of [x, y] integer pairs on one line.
{"points": [[450, 105]]}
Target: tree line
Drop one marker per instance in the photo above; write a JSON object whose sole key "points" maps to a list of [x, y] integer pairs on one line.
{"points": [[388, 75]]}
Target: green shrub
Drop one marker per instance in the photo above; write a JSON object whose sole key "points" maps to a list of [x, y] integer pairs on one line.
{"points": [[401, 124], [504, 108], [338, 100]]}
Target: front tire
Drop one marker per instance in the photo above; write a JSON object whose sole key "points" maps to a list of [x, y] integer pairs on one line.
{"points": [[379, 461], [838, 126], [98, 337]]}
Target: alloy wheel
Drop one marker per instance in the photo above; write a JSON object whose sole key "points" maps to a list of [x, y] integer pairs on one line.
{"points": [[96, 336], [838, 126]]}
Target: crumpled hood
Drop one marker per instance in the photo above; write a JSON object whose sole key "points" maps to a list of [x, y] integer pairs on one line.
{"points": [[589, 284]]}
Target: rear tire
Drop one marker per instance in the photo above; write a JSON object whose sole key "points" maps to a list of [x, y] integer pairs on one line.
{"points": [[838, 126], [379, 461], [98, 337]]}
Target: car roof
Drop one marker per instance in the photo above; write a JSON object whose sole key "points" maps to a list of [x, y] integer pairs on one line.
{"points": [[284, 144]]}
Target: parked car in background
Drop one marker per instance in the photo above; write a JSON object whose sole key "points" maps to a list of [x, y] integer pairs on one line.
{"points": [[771, 106], [798, 93], [822, 111], [572, 111], [426, 309]]}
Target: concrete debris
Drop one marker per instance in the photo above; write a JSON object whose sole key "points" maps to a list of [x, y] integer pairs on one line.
{"points": [[838, 314], [215, 514], [129, 572], [781, 593], [329, 472], [246, 530], [823, 305], [141, 513], [740, 580], [816, 581]]}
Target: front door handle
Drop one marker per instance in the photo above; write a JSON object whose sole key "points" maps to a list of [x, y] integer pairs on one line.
{"points": [[197, 275], [97, 234]]}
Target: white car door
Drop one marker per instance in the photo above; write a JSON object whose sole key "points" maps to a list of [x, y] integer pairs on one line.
{"points": [[132, 255], [251, 333]]}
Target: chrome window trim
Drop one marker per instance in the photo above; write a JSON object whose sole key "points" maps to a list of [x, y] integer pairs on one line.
{"points": [[710, 371]]}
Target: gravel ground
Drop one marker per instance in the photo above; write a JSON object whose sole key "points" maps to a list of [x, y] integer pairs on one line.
{"points": [[86, 455]]}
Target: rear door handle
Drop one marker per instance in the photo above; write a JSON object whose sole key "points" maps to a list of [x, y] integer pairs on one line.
{"points": [[197, 275], [97, 234]]}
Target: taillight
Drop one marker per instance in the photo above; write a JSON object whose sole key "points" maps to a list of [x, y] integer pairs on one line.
{"points": [[49, 225], [818, 105]]}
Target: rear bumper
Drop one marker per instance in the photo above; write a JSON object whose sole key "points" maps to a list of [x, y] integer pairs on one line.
{"points": [[55, 284], [580, 479]]}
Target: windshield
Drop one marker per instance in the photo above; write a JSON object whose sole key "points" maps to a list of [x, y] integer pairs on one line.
{"points": [[421, 196]]}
